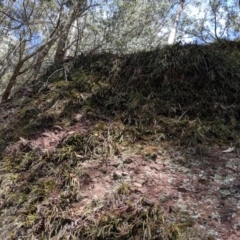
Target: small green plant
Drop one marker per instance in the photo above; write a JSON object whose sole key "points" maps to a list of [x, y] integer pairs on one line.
{"points": [[123, 188]]}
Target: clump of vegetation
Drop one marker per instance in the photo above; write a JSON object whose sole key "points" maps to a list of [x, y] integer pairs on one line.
{"points": [[40, 188], [187, 93], [134, 221], [187, 83], [180, 80]]}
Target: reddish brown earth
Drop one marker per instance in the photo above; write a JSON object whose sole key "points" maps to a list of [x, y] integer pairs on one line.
{"points": [[205, 185]]}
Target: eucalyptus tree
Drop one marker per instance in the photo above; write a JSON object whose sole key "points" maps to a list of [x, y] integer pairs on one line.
{"points": [[20, 25], [38, 27], [33, 31], [74, 9], [125, 26], [211, 20], [116, 25], [172, 35]]}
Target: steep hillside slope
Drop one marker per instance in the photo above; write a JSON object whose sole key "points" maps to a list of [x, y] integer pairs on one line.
{"points": [[125, 147]]}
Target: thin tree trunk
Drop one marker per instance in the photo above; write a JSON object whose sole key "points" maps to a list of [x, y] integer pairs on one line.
{"points": [[172, 35], [12, 81], [76, 12], [60, 52], [61, 46], [17, 71], [41, 57], [72, 36]]}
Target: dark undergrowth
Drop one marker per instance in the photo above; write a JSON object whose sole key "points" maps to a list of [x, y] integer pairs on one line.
{"points": [[188, 94]]}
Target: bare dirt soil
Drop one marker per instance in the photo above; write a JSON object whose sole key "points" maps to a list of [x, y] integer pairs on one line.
{"points": [[205, 182]]}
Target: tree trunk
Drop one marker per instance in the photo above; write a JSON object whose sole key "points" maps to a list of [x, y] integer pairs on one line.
{"points": [[172, 35], [41, 57], [12, 81], [60, 52], [17, 71], [72, 36], [77, 10], [62, 43]]}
